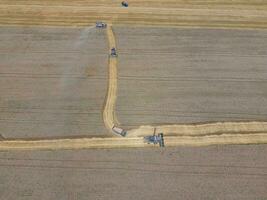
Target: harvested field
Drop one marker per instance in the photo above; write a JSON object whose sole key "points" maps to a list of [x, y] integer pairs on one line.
{"points": [[222, 15], [215, 172], [217, 13], [52, 82], [172, 76], [61, 93]]}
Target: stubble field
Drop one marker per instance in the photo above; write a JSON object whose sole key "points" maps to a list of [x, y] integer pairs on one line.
{"points": [[53, 82]]}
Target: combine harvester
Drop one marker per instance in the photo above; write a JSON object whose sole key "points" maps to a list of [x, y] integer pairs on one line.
{"points": [[151, 139], [155, 139], [124, 4], [100, 25], [113, 52]]}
